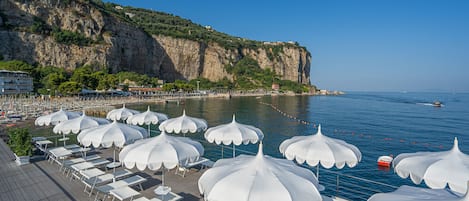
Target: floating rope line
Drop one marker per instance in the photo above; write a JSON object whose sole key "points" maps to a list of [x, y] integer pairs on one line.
{"points": [[344, 132]]}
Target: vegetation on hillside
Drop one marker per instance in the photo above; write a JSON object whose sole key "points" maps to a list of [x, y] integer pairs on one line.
{"points": [[160, 23], [52, 80], [56, 81]]}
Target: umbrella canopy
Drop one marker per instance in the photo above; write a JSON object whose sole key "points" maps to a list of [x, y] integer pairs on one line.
{"points": [[234, 133], [162, 150], [183, 124], [255, 178], [106, 135], [77, 124], [319, 148], [408, 193], [147, 118], [121, 113], [438, 169], [55, 118]]}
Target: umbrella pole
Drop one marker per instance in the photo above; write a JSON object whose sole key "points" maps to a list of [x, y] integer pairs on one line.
{"points": [[222, 151], [317, 172], [63, 138], [114, 166], [149, 131], [234, 150], [162, 177]]}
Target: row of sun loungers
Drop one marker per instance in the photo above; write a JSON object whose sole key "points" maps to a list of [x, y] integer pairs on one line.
{"points": [[87, 170]]}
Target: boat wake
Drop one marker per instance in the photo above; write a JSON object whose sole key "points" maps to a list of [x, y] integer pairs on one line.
{"points": [[430, 104]]}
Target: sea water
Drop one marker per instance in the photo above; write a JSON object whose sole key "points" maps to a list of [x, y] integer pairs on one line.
{"points": [[377, 123]]}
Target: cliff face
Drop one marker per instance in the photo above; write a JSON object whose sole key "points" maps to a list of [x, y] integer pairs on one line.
{"points": [[120, 45]]}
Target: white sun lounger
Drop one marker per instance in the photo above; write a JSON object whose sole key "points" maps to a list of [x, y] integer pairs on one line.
{"points": [[131, 181], [181, 169], [123, 193], [57, 154], [103, 179], [87, 165], [169, 197], [67, 163]]}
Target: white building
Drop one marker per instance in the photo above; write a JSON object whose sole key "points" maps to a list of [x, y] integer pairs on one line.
{"points": [[15, 82]]}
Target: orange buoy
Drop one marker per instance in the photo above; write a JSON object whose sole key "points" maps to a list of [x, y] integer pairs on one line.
{"points": [[385, 161]]}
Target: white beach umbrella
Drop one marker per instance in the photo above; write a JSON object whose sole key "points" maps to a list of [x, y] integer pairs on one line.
{"points": [[319, 148], [234, 133], [147, 118], [160, 151], [438, 169], [113, 134], [78, 124], [121, 113], [183, 124], [55, 118], [107, 135], [408, 193], [258, 178]]}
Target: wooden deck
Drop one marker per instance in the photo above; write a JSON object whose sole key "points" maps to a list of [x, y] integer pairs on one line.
{"points": [[41, 180]]}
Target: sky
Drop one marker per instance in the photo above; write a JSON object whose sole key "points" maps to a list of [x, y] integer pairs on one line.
{"points": [[373, 45]]}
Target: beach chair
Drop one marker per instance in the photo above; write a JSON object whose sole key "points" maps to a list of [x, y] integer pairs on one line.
{"points": [[67, 163], [123, 193], [103, 179], [181, 169], [76, 168], [130, 181], [57, 154]]}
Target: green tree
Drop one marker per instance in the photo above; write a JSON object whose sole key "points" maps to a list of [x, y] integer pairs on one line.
{"points": [[83, 76], [15, 65], [48, 77], [107, 82], [53, 80], [224, 83], [70, 88], [204, 83]]}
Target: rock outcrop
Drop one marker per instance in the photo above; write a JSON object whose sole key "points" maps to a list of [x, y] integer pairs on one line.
{"points": [[120, 45]]}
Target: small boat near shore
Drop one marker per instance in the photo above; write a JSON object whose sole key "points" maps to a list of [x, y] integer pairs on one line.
{"points": [[385, 161], [437, 104]]}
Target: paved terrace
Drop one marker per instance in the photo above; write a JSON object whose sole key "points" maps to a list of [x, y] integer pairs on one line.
{"points": [[42, 180]]}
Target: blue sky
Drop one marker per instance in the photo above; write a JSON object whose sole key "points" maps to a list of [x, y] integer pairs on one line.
{"points": [[376, 45]]}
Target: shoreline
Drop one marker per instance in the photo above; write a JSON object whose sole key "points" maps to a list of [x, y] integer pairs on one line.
{"points": [[31, 108]]}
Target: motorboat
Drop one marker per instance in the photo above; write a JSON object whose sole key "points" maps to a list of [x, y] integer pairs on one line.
{"points": [[385, 161], [437, 104]]}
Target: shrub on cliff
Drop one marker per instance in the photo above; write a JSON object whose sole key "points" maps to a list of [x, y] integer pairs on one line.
{"points": [[69, 38]]}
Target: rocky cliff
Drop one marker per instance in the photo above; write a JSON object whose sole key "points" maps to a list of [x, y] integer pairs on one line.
{"points": [[26, 34]]}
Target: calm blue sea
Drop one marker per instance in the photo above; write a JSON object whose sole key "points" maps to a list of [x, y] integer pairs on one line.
{"points": [[377, 123]]}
